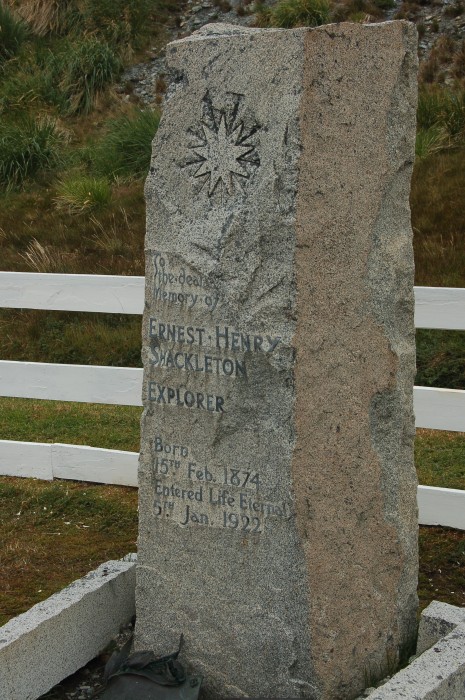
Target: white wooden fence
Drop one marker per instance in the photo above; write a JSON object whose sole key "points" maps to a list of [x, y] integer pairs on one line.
{"points": [[442, 409]]}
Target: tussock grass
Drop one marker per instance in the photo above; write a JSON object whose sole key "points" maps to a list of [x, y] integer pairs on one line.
{"points": [[116, 236], [79, 73], [300, 13], [39, 258], [82, 193], [20, 88], [126, 148], [295, 13], [13, 33], [442, 107], [429, 141], [47, 16], [27, 148], [119, 21]]}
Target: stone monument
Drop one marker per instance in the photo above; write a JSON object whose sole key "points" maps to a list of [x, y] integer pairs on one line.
{"points": [[278, 520]]}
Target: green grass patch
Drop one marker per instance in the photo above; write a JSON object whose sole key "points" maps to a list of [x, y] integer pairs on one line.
{"points": [[82, 193], [439, 455], [440, 358], [440, 458], [73, 338], [429, 141], [28, 147], [97, 425], [295, 13], [78, 73], [13, 33], [54, 533], [126, 148], [442, 107]]}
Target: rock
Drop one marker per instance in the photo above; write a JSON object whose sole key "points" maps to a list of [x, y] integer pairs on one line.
{"points": [[278, 516]]}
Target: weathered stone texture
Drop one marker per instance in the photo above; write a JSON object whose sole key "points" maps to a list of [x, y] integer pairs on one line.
{"points": [[279, 342]]}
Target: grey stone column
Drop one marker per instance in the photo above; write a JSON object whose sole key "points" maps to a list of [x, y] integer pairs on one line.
{"points": [[278, 521]]}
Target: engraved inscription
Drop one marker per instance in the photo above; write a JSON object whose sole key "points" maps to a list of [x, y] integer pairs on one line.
{"points": [[190, 493], [181, 288], [180, 396], [187, 337], [206, 349]]}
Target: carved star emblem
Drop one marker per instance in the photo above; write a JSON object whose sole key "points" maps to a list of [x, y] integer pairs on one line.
{"points": [[220, 156]]}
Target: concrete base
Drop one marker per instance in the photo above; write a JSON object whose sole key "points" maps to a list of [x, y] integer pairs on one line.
{"points": [[438, 672], [60, 635], [55, 638], [437, 620]]}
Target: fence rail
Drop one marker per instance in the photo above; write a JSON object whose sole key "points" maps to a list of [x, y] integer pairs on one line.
{"points": [[441, 409], [121, 386], [435, 307], [107, 294], [438, 409], [60, 461]]}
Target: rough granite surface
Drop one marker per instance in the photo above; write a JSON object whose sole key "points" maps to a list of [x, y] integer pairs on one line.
{"points": [[437, 621], [278, 522]]}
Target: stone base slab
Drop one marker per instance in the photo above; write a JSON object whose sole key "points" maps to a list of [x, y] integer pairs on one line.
{"points": [[41, 647], [438, 672], [55, 638]]}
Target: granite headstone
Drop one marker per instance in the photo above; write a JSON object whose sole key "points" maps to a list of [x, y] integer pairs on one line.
{"points": [[278, 517]]}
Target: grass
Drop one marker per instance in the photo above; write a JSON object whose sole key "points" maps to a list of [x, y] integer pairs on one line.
{"points": [[79, 241], [94, 339], [97, 425], [443, 108], [78, 73], [441, 358], [126, 148], [13, 33], [27, 148], [442, 566], [53, 533], [429, 141], [127, 22], [82, 193], [440, 458], [119, 21], [295, 13], [438, 225], [47, 16], [300, 13]]}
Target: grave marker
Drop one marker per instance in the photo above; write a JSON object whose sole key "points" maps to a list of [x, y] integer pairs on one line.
{"points": [[278, 522]]}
